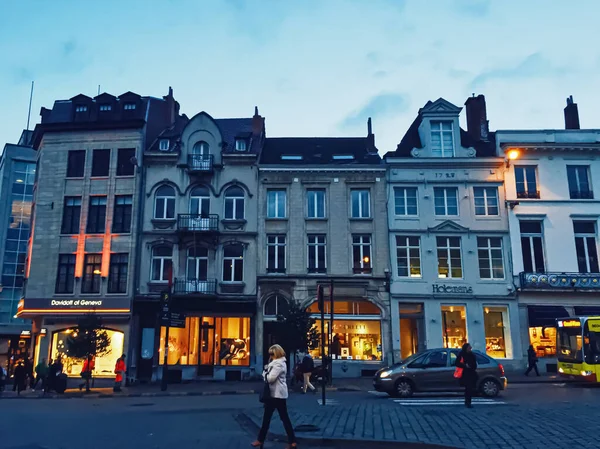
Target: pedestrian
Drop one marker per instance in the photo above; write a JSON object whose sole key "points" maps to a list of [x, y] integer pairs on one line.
{"points": [[41, 373], [468, 379], [119, 371], [532, 361], [86, 373], [51, 378], [307, 366], [20, 378], [2, 378], [275, 374], [29, 371]]}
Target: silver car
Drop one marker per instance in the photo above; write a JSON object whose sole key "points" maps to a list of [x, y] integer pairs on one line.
{"points": [[433, 370]]}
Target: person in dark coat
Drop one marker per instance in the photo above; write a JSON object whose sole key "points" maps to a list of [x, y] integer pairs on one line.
{"points": [[307, 367], [51, 378], [29, 372], [20, 378], [467, 361], [532, 361]]}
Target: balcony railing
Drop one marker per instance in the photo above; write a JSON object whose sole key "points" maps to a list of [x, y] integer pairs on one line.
{"points": [[198, 223], [528, 194], [195, 286], [200, 163], [582, 195], [560, 281]]}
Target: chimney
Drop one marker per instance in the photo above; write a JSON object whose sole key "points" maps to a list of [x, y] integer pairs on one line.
{"points": [[477, 122], [370, 137], [258, 123], [171, 108], [571, 114]]}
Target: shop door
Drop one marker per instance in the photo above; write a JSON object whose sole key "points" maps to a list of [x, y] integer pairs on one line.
{"points": [[207, 347], [412, 329]]}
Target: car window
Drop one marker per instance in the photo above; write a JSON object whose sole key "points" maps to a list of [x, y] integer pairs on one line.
{"points": [[481, 359], [418, 362], [436, 359], [453, 357]]}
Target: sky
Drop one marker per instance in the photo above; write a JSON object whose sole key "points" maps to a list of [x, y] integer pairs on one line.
{"points": [[313, 67]]}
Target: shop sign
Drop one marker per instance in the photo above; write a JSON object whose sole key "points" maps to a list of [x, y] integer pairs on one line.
{"points": [[569, 323], [449, 289], [177, 320], [73, 305]]}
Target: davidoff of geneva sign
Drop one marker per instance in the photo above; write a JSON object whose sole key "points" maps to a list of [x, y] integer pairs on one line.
{"points": [[41, 306], [449, 289]]}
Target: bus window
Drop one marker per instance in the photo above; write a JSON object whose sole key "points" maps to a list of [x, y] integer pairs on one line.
{"points": [[592, 346], [570, 343]]}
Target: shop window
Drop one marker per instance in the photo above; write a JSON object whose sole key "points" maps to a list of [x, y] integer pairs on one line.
{"points": [[233, 337], [183, 343], [454, 326], [353, 340], [543, 340], [104, 365], [497, 332], [346, 307]]}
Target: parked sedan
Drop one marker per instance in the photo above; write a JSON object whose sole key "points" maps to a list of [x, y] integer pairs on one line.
{"points": [[433, 370]]}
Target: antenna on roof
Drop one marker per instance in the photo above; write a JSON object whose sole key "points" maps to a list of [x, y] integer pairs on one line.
{"points": [[30, 99]]}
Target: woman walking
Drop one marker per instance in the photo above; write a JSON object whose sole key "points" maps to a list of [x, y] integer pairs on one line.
{"points": [[467, 361], [275, 374]]}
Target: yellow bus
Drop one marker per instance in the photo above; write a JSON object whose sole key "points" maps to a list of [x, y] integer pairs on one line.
{"points": [[578, 348]]}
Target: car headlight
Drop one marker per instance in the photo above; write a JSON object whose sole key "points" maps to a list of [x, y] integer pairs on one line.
{"points": [[385, 374], [560, 370], [586, 373]]}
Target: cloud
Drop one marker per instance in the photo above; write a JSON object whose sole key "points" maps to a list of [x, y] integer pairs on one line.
{"points": [[378, 107], [533, 66], [380, 74], [475, 8]]}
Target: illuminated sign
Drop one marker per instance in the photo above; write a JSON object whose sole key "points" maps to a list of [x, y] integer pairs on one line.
{"points": [[594, 325], [43, 331], [569, 323], [25, 333], [72, 306], [445, 289]]}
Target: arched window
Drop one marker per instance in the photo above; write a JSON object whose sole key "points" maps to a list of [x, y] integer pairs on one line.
{"points": [[164, 203], [200, 148], [200, 201], [197, 264], [162, 263], [275, 305], [234, 203]]}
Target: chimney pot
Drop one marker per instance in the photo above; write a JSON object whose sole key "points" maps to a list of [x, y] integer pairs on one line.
{"points": [[571, 114], [477, 122]]}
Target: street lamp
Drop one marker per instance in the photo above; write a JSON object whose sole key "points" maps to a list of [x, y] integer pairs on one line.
{"points": [[511, 156]]}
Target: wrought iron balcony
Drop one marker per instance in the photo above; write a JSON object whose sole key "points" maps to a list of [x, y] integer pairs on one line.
{"points": [[560, 281], [200, 163], [534, 194], [198, 223], [195, 286]]}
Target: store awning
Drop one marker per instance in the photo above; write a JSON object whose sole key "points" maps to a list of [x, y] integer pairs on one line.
{"points": [[587, 311], [545, 316]]}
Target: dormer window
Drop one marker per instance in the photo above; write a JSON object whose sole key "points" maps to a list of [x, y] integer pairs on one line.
{"points": [[163, 145], [291, 157], [442, 139], [105, 107], [343, 157], [81, 108], [129, 106], [240, 145]]}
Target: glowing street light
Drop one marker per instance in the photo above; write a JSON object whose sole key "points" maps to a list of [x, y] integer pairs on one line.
{"points": [[511, 156]]}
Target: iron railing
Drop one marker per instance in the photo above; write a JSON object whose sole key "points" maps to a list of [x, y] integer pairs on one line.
{"points": [[200, 162], [198, 222], [560, 281], [195, 286], [528, 194]]}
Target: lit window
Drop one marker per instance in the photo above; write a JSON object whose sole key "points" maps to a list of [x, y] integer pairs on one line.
{"points": [[579, 182], [442, 139], [240, 145], [454, 326], [408, 256], [163, 145], [234, 203], [446, 201], [276, 254], [526, 182], [92, 266], [360, 204], [497, 332], [405, 201], [532, 246], [491, 262], [361, 251], [164, 203], [276, 203], [486, 201], [449, 257]]}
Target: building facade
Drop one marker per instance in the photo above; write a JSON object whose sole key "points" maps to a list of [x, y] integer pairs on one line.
{"points": [[322, 220], [17, 175], [552, 193], [82, 247], [448, 237], [199, 236]]}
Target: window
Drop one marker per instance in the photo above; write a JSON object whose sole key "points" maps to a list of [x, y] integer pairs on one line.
{"points": [[200, 149], [315, 203], [129, 106], [125, 165], [117, 274], [408, 256], [360, 204], [495, 322], [526, 182], [486, 201], [163, 145], [275, 305], [200, 201], [316, 253], [197, 264], [162, 263], [122, 214], [579, 182], [543, 340], [183, 343], [233, 341], [96, 223], [164, 203], [105, 107], [100, 163], [240, 145], [276, 203], [442, 139], [275, 253], [71, 215], [233, 263], [361, 251], [532, 246], [76, 164], [586, 246], [405, 201], [446, 200], [92, 273], [65, 277], [291, 157], [80, 108], [449, 258], [489, 251], [234, 203], [454, 326]]}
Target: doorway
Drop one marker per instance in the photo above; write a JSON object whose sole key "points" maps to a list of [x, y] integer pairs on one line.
{"points": [[270, 338], [207, 347], [412, 329]]}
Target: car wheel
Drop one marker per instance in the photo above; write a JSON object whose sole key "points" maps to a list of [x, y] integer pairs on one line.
{"points": [[404, 389], [490, 388]]}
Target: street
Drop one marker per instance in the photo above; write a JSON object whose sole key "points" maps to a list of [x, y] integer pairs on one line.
{"points": [[533, 415]]}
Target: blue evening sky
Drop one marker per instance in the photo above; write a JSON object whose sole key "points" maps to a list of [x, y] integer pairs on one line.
{"points": [[314, 67]]}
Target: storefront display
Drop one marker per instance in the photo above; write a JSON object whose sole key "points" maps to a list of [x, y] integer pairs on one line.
{"points": [[543, 340], [183, 343], [495, 320], [454, 326]]}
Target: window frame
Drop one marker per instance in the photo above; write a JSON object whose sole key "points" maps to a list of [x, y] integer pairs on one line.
{"points": [[488, 248], [274, 241], [235, 261], [531, 236], [73, 218], [235, 202], [70, 168], [241, 148], [486, 201], [404, 198], [122, 214], [448, 248], [527, 170], [65, 269], [162, 147], [129, 106], [124, 167], [197, 261], [166, 199], [96, 163], [274, 195], [574, 170], [92, 282], [407, 247], [316, 193], [164, 261], [441, 131], [202, 200], [364, 267], [96, 215], [446, 199], [585, 236], [318, 243], [119, 268], [360, 213]]}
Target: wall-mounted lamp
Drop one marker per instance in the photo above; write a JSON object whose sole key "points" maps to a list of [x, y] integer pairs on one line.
{"points": [[511, 156]]}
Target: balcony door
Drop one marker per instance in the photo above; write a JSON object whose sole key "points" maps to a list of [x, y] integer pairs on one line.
{"points": [[200, 202], [197, 264]]}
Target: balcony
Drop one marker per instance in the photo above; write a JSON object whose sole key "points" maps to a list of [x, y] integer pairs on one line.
{"points": [[200, 163], [560, 281], [535, 194], [198, 223], [195, 287], [582, 195]]}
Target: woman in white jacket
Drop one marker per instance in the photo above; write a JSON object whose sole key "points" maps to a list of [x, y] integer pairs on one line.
{"points": [[275, 374]]}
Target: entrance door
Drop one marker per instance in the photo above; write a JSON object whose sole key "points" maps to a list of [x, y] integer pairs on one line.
{"points": [[207, 347], [412, 329]]}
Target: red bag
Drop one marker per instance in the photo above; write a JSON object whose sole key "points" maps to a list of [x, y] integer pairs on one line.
{"points": [[458, 372]]}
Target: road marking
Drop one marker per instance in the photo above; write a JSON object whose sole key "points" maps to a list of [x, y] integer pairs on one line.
{"points": [[446, 401], [328, 402]]}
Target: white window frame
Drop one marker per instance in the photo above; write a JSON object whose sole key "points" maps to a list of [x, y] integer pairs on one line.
{"points": [[162, 264], [488, 250], [319, 243], [315, 193], [275, 298], [486, 200], [195, 259], [235, 200], [401, 194], [364, 211], [165, 205], [578, 179], [273, 195], [234, 261], [406, 247], [362, 244], [585, 236], [528, 194], [445, 191], [437, 127], [200, 199], [276, 241], [529, 236], [163, 145], [446, 254], [241, 145]]}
